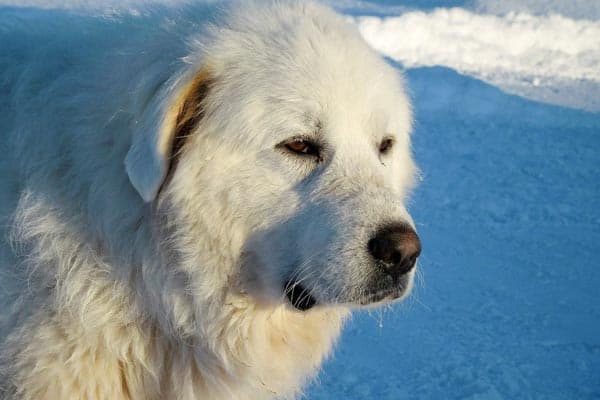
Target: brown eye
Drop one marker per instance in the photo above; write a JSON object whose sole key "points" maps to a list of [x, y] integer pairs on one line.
{"points": [[302, 147], [386, 145]]}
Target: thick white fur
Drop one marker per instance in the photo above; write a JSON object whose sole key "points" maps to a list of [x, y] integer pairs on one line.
{"points": [[112, 289]]}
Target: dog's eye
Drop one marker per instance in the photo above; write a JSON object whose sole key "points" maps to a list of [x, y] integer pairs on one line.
{"points": [[386, 145], [302, 147]]}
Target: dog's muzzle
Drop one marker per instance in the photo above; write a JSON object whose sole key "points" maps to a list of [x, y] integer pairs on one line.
{"points": [[394, 250]]}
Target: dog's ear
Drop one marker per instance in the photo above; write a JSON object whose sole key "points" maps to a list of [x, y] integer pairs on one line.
{"points": [[159, 139]]}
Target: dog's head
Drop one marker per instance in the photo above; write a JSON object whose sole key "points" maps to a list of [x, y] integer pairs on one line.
{"points": [[286, 156]]}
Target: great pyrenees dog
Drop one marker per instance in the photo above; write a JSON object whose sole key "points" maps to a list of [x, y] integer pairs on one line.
{"points": [[192, 201]]}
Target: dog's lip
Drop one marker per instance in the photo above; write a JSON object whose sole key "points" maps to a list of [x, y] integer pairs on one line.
{"points": [[383, 296], [299, 296]]}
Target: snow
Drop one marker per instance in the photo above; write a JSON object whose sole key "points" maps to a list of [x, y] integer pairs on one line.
{"points": [[508, 210], [519, 52]]}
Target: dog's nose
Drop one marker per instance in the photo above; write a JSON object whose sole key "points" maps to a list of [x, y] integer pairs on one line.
{"points": [[396, 248]]}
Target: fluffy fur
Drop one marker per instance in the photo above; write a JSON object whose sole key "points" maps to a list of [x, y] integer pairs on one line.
{"points": [[151, 217]]}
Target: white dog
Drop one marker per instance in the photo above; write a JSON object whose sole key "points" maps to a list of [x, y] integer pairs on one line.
{"points": [[191, 215]]}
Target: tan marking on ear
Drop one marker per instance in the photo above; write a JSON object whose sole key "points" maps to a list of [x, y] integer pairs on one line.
{"points": [[184, 116]]}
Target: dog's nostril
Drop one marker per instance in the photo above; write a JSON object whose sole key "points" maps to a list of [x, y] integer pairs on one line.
{"points": [[396, 248], [396, 257]]}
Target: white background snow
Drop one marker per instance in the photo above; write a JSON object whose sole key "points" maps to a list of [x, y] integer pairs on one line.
{"points": [[520, 52], [507, 102]]}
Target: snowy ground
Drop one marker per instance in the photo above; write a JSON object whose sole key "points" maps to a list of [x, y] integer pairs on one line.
{"points": [[508, 209]]}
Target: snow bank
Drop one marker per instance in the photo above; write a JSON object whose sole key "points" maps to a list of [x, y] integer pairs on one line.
{"points": [[488, 45], [518, 52]]}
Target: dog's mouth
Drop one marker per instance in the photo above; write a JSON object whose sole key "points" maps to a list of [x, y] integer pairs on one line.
{"points": [[299, 296], [380, 297]]}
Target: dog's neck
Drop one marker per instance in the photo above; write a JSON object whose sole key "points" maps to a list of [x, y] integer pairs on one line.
{"points": [[227, 339], [259, 351]]}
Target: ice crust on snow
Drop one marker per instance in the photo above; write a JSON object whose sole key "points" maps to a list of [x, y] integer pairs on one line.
{"points": [[521, 53]]}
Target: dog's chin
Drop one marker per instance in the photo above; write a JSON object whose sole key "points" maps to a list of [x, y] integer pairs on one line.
{"points": [[380, 298], [384, 296], [299, 297]]}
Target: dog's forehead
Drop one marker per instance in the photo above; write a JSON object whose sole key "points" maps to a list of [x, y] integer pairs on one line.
{"points": [[337, 101], [305, 70]]}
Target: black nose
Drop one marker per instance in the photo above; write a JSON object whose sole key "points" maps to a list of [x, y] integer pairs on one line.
{"points": [[396, 249]]}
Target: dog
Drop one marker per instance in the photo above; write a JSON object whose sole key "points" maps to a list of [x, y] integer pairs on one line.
{"points": [[192, 201]]}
